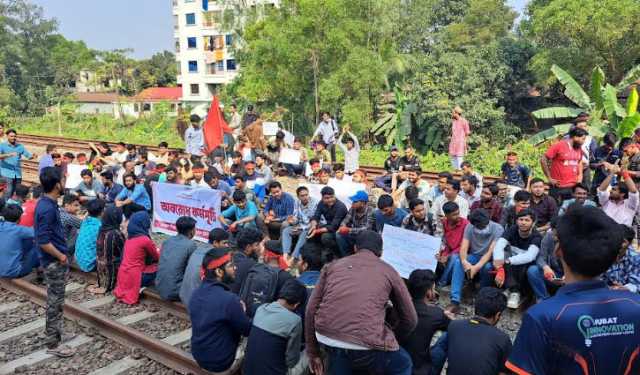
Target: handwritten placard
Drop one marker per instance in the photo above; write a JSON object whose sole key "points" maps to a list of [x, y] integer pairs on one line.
{"points": [[73, 175], [407, 250], [269, 128], [289, 156]]}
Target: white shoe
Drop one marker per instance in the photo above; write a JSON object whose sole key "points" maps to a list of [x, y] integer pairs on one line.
{"points": [[514, 300]]}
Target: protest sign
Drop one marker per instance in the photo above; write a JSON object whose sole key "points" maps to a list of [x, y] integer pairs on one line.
{"points": [[73, 175], [343, 189], [171, 201], [407, 250], [269, 128], [289, 138], [289, 156]]}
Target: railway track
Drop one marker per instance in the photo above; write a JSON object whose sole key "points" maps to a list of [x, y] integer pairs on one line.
{"points": [[155, 329], [74, 145]]}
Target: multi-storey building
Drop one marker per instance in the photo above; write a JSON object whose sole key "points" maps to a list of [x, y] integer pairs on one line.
{"points": [[203, 48]]}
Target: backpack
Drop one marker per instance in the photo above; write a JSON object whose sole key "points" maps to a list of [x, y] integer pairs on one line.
{"points": [[259, 287]]}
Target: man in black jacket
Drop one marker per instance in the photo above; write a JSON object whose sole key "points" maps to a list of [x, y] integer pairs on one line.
{"points": [[333, 212]]}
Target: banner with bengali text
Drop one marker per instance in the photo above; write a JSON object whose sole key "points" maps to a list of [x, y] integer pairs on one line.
{"points": [[171, 201]]}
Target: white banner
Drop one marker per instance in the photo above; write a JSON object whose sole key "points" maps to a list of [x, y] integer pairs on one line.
{"points": [[269, 128], [407, 250], [343, 189], [289, 156], [73, 175], [171, 201]]}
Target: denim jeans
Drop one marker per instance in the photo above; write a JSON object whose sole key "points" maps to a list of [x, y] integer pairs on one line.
{"points": [[445, 278], [30, 260], [294, 169], [458, 277], [439, 354], [345, 243], [371, 362], [287, 240], [537, 282]]}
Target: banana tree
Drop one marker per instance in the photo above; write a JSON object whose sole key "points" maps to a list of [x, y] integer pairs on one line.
{"points": [[601, 103]]}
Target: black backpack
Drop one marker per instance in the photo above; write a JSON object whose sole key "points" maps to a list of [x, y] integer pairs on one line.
{"points": [[259, 287]]}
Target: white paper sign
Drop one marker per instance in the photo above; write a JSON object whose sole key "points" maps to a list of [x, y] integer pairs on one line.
{"points": [[407, 250], [73, 175], [269, 128], [171, 201], [289, 156], [289, 138], [343, 189]]}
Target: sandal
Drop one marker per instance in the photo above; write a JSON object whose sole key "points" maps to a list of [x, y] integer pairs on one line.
{"points": [[62, 351]]}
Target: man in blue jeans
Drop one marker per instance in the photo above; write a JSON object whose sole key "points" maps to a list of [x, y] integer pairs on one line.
{"points": [[18, 255], [476, 251], [347, 310]]}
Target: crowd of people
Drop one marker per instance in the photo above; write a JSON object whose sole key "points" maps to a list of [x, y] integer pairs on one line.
{"points": [[290, 282]]}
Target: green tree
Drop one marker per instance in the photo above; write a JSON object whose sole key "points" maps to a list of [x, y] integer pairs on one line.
{"points": [[583, 34], [158, 71]]}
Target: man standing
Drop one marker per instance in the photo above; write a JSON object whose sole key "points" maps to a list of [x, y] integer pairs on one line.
{"points": [[236, 121], [562, 164], [328, 131], [53, 258], [334, 315], [11, 154], [459, 133], [586, 327], [194, 137]]}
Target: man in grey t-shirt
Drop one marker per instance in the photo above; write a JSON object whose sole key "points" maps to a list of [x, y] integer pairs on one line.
{"points": [[476, 251]]}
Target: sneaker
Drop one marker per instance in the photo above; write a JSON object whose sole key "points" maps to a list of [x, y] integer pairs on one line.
{"points": [[514, 300], [453, 308], [62, 351]]}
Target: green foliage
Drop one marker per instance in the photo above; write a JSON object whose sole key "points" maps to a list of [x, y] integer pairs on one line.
{"points": [[583, 34]]}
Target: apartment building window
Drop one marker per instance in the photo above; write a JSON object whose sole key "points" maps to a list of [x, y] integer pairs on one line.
{"points": [[220, 66], [231, 64], [179, 66], [177, 45], [193, 66], [228, 39], [195, 89], [191, 19], [212, 18], [191, 42]]}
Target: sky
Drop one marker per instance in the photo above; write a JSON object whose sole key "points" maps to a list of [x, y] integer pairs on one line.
{"points": [[146, 26]]}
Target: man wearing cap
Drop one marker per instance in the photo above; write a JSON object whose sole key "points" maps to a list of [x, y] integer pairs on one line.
{"points": [[360, 217], [347, 311], [218, 240], [333, 212], [217, 316], [459, 133]]}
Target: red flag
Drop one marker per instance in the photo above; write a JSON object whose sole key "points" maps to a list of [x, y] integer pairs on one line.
{"points": [[215, 126]]}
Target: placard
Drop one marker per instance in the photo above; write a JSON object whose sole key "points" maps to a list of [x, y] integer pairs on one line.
{"points": [[171, 201], [343, 189], [290, 156], [407, 250], [269, 128], [289, 138], [73, 175]]}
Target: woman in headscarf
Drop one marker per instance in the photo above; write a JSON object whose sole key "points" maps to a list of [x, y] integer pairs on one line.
{"points": [[139, 262], [109, 249]]}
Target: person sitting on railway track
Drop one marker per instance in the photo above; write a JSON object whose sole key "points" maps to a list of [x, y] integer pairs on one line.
{"points": [[413, 179], [29, 207], [46, 160], [54, 260], [275, 342], [521, 201], [162, 156], [89, 188], [388, 214], [174, 257], [139, 261], [279, 208], [133, 197], [85, 253], [110, 189], [218, 319], [18, 255], [128, 167], [70, 219], [489, 202], [361, 216], [109, 249], [438, 189], [218, 239], [330, 211], [451, 194], [391, 167], [249, 250], [19, 196], [242, 214]]}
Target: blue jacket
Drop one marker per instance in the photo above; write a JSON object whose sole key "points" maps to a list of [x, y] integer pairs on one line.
{"points": [[217, 322], [15, 245]]}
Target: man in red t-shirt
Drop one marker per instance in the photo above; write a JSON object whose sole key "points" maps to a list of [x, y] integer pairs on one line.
{"points": [[562, 164]]}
